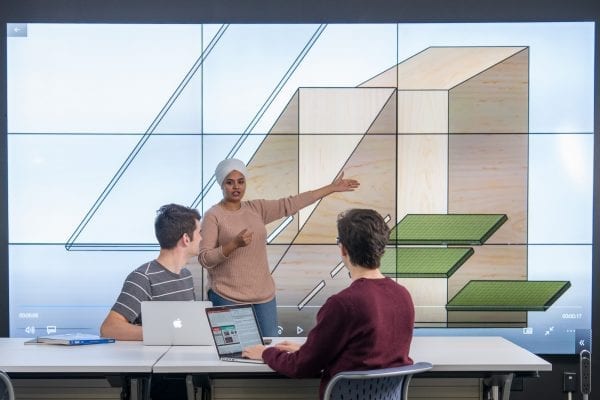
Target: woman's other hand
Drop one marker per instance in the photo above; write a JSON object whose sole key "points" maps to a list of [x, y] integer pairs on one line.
{"points": [[244, 238]]}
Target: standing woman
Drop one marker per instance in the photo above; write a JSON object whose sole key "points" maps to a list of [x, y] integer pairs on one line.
{"points": [[234, 249]]}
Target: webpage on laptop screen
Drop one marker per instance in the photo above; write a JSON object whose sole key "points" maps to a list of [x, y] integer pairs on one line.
{"points": [[234, 329]]}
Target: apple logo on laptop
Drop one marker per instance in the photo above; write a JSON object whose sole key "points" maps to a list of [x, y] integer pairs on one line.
{"points": [[177, 323]]}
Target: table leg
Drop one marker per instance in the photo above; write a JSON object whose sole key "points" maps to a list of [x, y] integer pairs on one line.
{"points": [[134, 389], [498, 386], [494, 390], [189, 386], [139, 388]]}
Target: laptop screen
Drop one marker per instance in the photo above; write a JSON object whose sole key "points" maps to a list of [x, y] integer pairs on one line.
{"points": [[233, 328]]}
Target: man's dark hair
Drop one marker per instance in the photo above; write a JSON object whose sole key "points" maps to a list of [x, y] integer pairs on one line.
{"points": [[172, 221], [364, 234]]}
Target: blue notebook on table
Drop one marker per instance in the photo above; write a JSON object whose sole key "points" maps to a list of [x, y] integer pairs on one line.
{"points": [[70, 339]]}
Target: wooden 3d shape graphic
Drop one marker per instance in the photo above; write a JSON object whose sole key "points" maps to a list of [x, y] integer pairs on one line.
{"points": [[439, 144]]}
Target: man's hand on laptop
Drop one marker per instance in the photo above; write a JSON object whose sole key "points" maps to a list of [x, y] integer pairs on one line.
{"points": [[254, 352], [288, 346]]}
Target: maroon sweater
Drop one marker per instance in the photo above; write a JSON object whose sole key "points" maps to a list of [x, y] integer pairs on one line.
{"points": [[365, 326]]}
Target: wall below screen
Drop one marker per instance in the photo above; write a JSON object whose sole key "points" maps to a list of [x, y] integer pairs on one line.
{"points": [[549, 385], [46, 389]]}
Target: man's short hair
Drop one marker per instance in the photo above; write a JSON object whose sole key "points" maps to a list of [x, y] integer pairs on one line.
{"points": [[172, 221], [364, 234]]}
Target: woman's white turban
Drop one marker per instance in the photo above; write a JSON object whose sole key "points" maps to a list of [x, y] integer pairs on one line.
{"points": [[225, 167]]}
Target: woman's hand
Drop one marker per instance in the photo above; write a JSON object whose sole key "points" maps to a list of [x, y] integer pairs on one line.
{"points": [[338, 185], [344, 185], [244, 238]]}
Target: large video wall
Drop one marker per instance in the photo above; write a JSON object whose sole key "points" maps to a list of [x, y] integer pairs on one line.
{"points": [[475, 141]]}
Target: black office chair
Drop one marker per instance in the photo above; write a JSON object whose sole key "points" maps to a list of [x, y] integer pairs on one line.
{"points": [[7, 392], [375, 384]]}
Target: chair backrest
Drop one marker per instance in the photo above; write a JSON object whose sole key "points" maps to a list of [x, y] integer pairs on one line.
{"points": [[387, 383], [7, 391]]}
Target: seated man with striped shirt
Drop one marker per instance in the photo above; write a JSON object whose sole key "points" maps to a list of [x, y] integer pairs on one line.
{"points": [[177, 229]]}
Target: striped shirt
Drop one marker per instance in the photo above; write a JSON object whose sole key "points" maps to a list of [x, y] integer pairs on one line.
{"points": [[152, 281]]}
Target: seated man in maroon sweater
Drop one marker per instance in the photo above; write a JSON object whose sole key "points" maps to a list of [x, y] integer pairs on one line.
{"points": [[368, 325]]}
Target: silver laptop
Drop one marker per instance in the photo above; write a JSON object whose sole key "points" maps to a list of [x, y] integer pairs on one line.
{"points": [[176, 323], [233, 329]]}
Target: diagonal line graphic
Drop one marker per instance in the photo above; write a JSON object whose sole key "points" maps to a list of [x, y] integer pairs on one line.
{"points": [[138, 147], [288, 74], [311, 295]]}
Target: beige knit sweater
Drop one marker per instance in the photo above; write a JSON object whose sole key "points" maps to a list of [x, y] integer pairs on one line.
{"points": [[244, 276]]}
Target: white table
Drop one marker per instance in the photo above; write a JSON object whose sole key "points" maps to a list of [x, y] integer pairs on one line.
{"points": [[475, 354], [493, 357], [130, 358], [202, 360], [446, 353]]}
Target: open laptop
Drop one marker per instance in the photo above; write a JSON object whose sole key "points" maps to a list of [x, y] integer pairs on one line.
{"points": [[233, 329], [175, 323]]}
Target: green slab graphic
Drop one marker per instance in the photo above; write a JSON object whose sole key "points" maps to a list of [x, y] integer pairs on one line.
{"points": [[441, 229], [507, 295], [423, 262]]}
